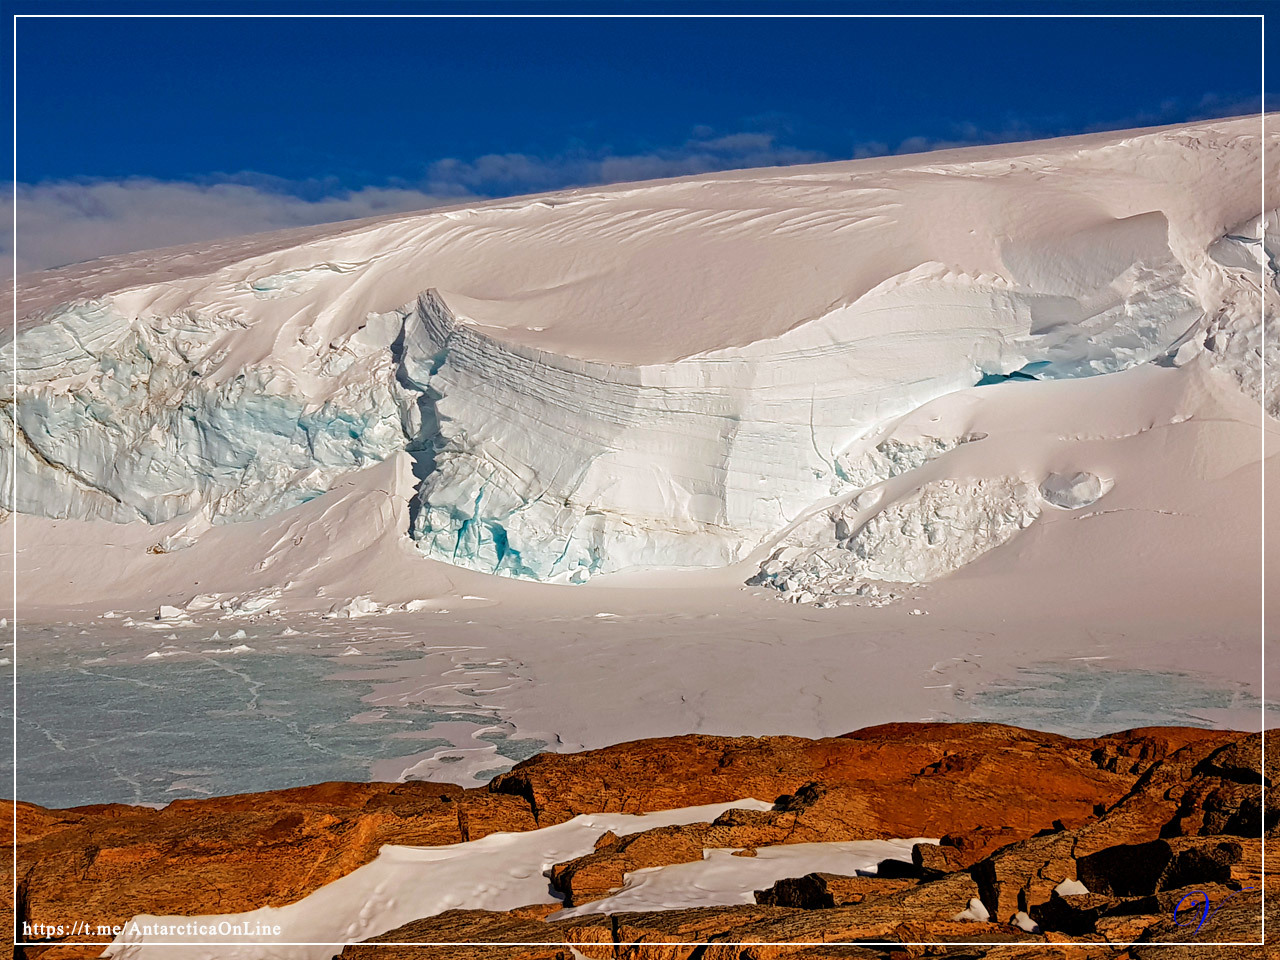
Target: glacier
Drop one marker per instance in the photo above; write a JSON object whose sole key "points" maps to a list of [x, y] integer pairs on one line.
{"points": [[248, 391]]}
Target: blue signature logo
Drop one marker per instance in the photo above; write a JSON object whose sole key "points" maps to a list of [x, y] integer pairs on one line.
{"points": [[1205, 912]]}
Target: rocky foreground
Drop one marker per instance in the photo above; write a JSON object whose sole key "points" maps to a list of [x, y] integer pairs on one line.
{"points": [[1145, 820]]}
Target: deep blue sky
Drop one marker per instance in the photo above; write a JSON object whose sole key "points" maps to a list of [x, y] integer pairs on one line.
{"points": [[140, 133], [365, 100]]}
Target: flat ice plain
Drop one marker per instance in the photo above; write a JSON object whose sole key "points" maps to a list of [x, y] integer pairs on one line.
{"points": [[975, 434]]}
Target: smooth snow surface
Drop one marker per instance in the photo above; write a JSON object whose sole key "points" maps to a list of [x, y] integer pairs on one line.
{"points": [[497, 872], [651, 376], [721, 878]]}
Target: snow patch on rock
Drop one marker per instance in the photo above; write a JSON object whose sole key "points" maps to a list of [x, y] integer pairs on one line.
{"points": [[498, 872], [975, 911], [1070, 888]]}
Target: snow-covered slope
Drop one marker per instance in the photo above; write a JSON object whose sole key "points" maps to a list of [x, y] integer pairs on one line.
{"points": [[786, 365]]}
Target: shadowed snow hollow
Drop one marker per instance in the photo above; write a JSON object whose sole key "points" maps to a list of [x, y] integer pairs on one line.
{"points": [[664, 375]]}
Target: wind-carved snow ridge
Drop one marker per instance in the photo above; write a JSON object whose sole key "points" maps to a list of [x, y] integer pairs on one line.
{"points": [[291, 283]]}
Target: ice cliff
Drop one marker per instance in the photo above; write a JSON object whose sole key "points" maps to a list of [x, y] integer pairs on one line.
{"points": [[616, 380], [116, 420]]}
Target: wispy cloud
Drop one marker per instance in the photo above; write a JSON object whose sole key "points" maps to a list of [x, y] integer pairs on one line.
{"points": [[704, 152], [1013, 129], [68, 221]]}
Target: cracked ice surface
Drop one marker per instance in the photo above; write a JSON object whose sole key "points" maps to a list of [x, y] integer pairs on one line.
{"points": [[944, 525], [209, 714], [118, 419]]}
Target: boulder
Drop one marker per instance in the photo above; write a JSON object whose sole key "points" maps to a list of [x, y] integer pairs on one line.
{"points": [[959, 851], [1233, 919], [1135, 870], [821, 891]]}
